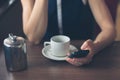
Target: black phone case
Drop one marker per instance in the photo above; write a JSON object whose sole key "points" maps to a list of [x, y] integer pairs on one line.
{"points": [[79, 54]]}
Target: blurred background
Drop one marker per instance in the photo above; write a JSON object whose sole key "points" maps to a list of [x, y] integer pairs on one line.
{"points": [[118, 21], [11, 17]]}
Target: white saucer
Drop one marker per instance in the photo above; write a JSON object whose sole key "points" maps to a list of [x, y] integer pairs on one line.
{"points": [[48, 54]]}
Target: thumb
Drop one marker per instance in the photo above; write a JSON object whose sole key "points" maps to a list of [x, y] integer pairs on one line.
{"points": [[85, 45]]}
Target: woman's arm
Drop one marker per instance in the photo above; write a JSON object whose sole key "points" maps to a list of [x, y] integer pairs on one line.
{"points": [[104, 20], [104, 38], [34, 19]]}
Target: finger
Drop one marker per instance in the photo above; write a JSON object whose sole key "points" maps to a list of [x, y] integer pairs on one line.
{"points": [[84, 45], [87, 44], [83, 60], [74, 62], [69, 60], [80, 60]]}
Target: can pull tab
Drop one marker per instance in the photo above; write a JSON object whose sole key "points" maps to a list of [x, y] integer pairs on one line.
{"points": [[12, 37]]}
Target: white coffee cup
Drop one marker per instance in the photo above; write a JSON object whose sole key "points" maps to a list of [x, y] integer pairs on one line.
{"points": [[60, 45]]}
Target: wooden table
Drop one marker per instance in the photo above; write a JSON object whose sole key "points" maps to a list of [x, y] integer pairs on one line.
{"points": [[105, 66]]}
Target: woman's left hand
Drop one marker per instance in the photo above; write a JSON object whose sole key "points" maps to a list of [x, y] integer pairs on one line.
{"points": [[87, 45]]}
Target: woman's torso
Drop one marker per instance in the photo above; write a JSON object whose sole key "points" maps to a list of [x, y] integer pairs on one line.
{"points": [[76, 18]]}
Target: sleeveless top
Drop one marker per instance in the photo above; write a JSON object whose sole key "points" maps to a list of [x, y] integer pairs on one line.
{"points": [[77, 20]]}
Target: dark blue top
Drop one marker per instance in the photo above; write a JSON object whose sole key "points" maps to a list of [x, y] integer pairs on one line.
{"points": [[77, 20]]}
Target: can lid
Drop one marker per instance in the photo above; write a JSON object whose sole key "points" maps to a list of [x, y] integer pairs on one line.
{"points": [[14, 40]]}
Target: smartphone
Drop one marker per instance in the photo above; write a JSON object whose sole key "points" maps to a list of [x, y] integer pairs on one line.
{"points": [[79, 54]]}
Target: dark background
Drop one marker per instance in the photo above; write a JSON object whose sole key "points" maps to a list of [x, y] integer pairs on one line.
{"points": [[10, 20], [11, 17]]}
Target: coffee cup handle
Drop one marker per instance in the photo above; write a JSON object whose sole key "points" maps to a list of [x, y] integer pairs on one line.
{"points": [[46, 43]]}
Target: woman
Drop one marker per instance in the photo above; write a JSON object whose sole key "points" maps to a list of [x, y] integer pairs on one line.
{"points": [[43, 18]]}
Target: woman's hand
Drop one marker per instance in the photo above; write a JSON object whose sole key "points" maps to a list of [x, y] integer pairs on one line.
{"points": [[87, 45]]}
